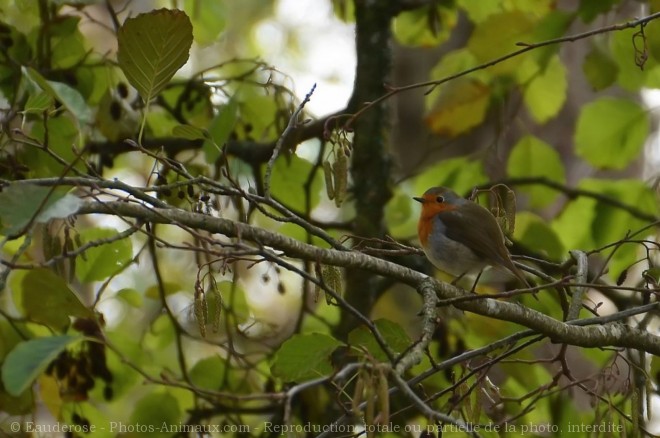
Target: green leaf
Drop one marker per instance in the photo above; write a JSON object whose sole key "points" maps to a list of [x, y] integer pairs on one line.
{"points": [[498, 35], [17, 405], [527, 378], [461, 105], [531, 157], [590, 9], [100, 262], [479, 11], [155, 410], [68, 51], [289, 177], [38, 102], [221, 127], [208, 19], [160, 335], [655, 369], [588, 224], [610, 132], [169, 286], [401, 222], [611, 223], [59, 133], [652, 36], [206, 373], [152, 48], [47, 299], [395, 337], [19, 203], [629, 76], [455, 61], [304, 357], [70, 97], [460, 174], [546, 93], [73, 101], [189, 132], [533, 232], [551, 24], [131, 297], [574, 224], [266, 117], [599, 69], [427, 26], [29, 359]]}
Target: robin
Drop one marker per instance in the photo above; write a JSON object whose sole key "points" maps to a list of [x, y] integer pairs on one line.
{"points": [[459, 236]]}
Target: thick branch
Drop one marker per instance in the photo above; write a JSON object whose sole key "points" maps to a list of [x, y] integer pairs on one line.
{"points": [[251, 152], [601, 335], [370, 159]]}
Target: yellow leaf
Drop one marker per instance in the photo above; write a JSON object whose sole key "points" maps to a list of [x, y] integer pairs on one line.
{"points": [[498, 35], [50, 394], [461, 106]]}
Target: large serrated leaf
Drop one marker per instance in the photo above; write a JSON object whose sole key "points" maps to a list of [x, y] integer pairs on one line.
{"points": [[29, 359], [152, 47]]}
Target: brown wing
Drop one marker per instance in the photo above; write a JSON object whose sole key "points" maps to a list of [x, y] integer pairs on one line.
{"points": [[477, 229], [484, 237]]}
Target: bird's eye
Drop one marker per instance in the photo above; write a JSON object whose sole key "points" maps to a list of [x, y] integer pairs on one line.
{"points": [[440, 199]]}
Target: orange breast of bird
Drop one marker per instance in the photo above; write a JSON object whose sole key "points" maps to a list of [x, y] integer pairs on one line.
{"points": [[425, 224]]}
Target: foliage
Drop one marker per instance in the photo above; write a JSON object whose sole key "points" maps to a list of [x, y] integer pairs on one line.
{"points": [[169, 224]]}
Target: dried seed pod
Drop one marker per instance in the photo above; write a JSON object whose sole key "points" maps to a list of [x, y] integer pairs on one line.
{"points": [[331, 276], [217, 307], [383, 398], [357, 396], [329, 186], [201, 312], [370, 409], [340, 171], [510, 211]]}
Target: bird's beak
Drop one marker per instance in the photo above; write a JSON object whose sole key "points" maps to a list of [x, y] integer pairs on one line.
{"points": [[418, 199]]}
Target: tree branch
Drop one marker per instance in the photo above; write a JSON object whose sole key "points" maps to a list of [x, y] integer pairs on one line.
{"points": [[526, 48], [252, 152], [573, 192], [615, 334]]}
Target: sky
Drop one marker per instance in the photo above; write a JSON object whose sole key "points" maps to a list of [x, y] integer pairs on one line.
{"points": [[325, 52]]}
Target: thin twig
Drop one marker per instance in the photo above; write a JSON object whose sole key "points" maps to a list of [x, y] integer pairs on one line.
{"points": [[293, 123], [526, 48]]}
